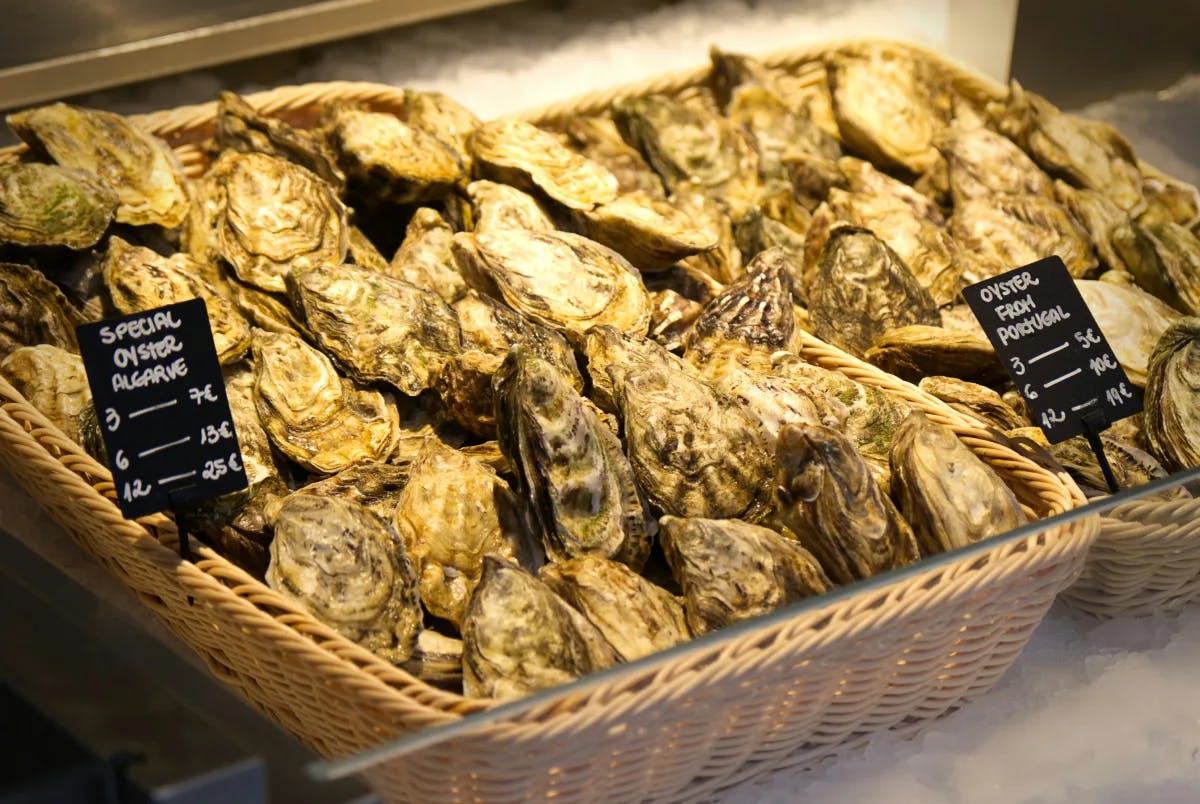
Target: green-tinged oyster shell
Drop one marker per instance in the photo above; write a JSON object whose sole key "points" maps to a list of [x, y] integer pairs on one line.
{"points": [[519, 153], [275, 217], [830, 500], [424, 258], [1130, 319], [982, 164], [48, 205], [1165, 259], [139, 279], [1008, 231], [33, 311], [598, 139], [378, 327], [1172, 402], [635, 616], [386, 159], [240, 127], [53, 381], [650, 232], [448, 527], [918, 351], [569, 464], [349, 569], [519, 637], [862, 289], [731, 570], [754, 312], [975, 400], [949, 496], [686, 144], [139, 167], [315, 417], [491, 327]]}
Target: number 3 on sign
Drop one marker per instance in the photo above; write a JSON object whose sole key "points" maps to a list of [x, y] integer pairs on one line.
{"points": [[1018, 366]]}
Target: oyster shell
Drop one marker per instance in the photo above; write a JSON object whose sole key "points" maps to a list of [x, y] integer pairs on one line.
{"points": [[519, 637], [598, 139], [444, 118], [489, 326], [465, 387], [754, 312], [830, 500], [723, 263], [347, 567], [918, 351], [258, 456], [498, 207], [1172, 413], [889, 105], [982, 164], [949, 496], [437, 660], [362, 252], [33, 311], [519, 153], [563, 280], [424, 258], [649, 232], [1096, 215], [635, 616], [975, 400], [240, 127], [53, 381], [863, 178], [139, 279], [139, 167], [671, 317], [1165, 259], [1008, 231], [731, 570], [276, 217], [1168, 200], [1130, 319], [47, 205], [387, 159], [570, 466], [269, 311], [862, 289], [1130, 466], [447, 528], [236, 525], [374, 485], [686, 144], [607, 346], [315, 417], [378, 327]]}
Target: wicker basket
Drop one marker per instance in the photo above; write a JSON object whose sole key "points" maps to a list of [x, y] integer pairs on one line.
{"points": [[891, 653]]}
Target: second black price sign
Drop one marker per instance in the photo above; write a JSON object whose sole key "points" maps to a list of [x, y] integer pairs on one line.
{"points": [[1053, 349]]}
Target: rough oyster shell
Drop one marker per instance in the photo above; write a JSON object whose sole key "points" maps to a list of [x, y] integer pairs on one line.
{"points": [[636, 616], [982, 164], [1165, 259], [1131, 320], [489, 326], [315, 417], [598, 139], [362, 252], [519, 637], [949, 496], [1010, 231], [53, 381], [444, 118], [754, 312], [139, 167], [1172, 403], [372, 484], [918, 351], [465, 387], [48, 205], [863, 178], [649, 232], [1130, 466], [347, 567], [1168, 200], [862, 289], [830, 500], [447, 528], [33, 311], [258, 456], [1098, 216], [240, 127], [518, 153], [975, 400], [731, 570], [671, 318], [608, 346], [498, 207], [424, 258], [723, 263], [570, 466]]}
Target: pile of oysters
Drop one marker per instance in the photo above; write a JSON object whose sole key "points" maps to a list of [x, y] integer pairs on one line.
{"points": [[517, 402]]}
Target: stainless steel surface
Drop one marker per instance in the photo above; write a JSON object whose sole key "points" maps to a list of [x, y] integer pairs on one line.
{"points": [[54, 48]]}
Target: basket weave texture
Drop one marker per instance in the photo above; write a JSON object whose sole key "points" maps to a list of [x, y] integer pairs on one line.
{"points": [[779, 695]]}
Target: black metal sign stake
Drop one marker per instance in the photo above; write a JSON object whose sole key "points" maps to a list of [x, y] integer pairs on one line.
{"points": [[1095, 422]]}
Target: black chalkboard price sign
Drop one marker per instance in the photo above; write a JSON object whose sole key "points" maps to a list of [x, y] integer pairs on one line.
{"points": [[1052, 347], [161, 403]]}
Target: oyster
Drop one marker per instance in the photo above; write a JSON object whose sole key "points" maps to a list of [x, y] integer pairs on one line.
{"points": [[519, 637], [569, 464], [598, 139], [437, 660], [889, 105], [1172, 414], [1165, 259], [649, 232], [269, 311], [362, 251], [863, 178], [607, 346], [444, 118], [498, 207], [563, 280], [983, 164], [636, 616], [315, 417], [519, 153], [1130, 319], [53, 381], [754, 312], [1130, 466], [139, 167], [258, 456], [1007, 231], [378, 327], [918, 351], [1096, 215], [424, 258], [731, 570], [236, 525], [489, 326], [447, 528], [862, 289], [387, 159], [977, 401], [671, 317], [139, 279], [686, 144], [690, 283], [47, 205], [723, 263], [374, 485], [757, 233], [1168, 200], [33, 311], [240, 127], [347, 567], [276, 217], [830, 500]]}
